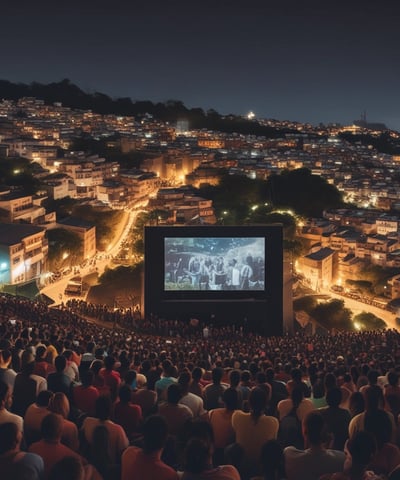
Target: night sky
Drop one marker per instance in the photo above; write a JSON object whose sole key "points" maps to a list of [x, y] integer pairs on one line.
{"points": [[315, 61]]}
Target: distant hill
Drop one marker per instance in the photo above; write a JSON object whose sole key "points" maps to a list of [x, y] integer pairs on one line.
{"points": [[70, 95]]}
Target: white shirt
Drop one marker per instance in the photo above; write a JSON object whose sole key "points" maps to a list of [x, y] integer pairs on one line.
{"points": [[195, 404]]}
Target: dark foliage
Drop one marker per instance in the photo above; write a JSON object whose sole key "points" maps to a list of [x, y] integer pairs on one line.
{"points": [[72, 96]]}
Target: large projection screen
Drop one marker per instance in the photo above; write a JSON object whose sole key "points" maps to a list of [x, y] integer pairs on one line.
{"points": [[227, 273]]}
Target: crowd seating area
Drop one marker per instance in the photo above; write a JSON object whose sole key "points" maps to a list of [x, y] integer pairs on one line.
{"points": [[88, 392]]}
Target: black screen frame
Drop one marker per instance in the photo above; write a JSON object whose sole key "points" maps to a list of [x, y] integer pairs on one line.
{"points": [[155, 261]]}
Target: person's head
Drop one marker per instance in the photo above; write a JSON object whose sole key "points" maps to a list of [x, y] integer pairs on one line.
{"points": [[125, 393], [296, 374], [216, 375], [10, 437], [103, 407], [257, 401], [51, 428], [5, 395], [379, 425], [230, 399], [356, 403], [5, 358], [197, 456], [347, 378], [318, 389], [270, 375], [67, 354], [245, 377], [334, 397], [234, 378], [330, 381], [362, 448], [109, 362], [261, 378], [60, 363], [96, 366], [130, 378], [198, 428], [297, 396], [68, 468], [27, 362], [197, 373], [87, 378], [314, 428], [168, 368], [41, 353], [155, 433], [272, 459], [373, 376], [59, 403], [184, 380], [373, 398], [174, 393], [43, 398]]}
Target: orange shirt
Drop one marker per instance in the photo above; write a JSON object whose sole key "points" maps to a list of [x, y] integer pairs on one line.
{"points": [[137, 465], [221, 422]]}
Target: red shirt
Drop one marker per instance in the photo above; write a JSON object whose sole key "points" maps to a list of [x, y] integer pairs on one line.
{"points": [[52, 453], [112, 379], [85, 398], [136, 465], [129, 416]]}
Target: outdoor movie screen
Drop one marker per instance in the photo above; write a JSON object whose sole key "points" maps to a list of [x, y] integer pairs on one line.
{"points": [[214, 263]]}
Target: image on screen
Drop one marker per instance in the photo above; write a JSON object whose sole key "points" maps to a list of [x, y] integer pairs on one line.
{"points": [[214, 263]]}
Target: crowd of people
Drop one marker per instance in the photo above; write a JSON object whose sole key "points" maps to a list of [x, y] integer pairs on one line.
{"points": [[86, 397]]}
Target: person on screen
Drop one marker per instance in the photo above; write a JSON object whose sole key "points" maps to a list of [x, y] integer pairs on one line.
{"points": [[175, 270], [194, 270], [233, 276], [258, 269], [219, 273], [246, 273], [204, 275]]}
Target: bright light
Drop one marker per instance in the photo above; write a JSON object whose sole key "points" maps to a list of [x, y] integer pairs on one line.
{"points": [[254, 207], [357, 325], [225, 212], [251, 115], [3, 265], [65, 255], [16, 171]]}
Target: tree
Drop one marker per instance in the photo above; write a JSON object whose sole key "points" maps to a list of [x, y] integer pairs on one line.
{"points": [[306, 304], [369, 321], [65, 247], [333, 314], [303, 192]]}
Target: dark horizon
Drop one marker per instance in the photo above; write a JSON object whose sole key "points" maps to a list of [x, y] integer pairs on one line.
{"points": [[298, 61]]}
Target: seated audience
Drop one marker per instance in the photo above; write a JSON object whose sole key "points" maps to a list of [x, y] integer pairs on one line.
{"points": [[126, 413], [34, 416], [118, 440], [59, 404], [197, 463], [84, 396], [5, 404], [15, 464], [337, 419], [255, 428], [316, 459], [50, 447], [146, 463]]}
